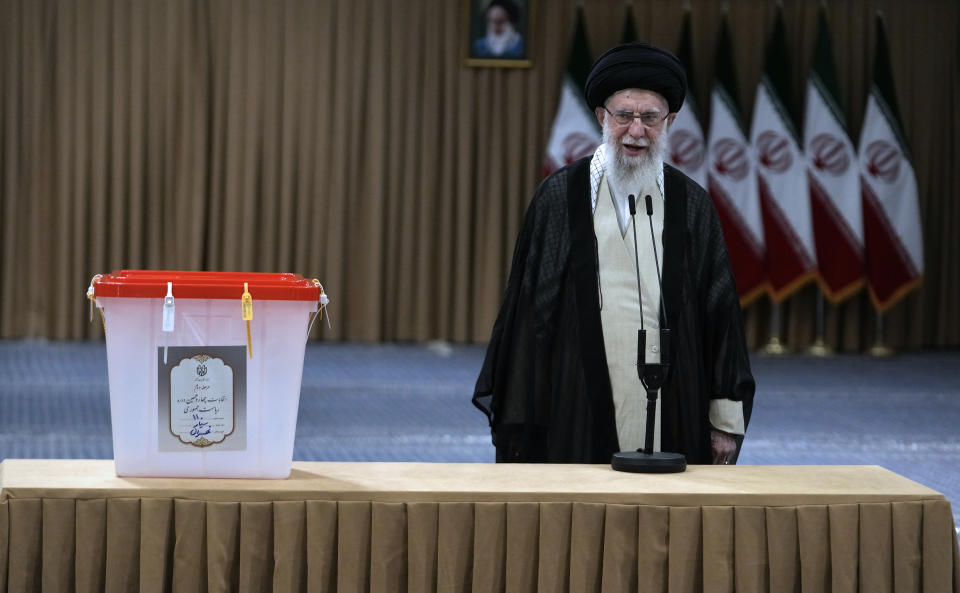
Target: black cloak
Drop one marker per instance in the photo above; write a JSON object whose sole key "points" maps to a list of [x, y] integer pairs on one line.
{"points": [[544, 384]]}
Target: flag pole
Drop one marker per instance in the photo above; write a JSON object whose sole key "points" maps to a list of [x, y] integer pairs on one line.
{"points": [[879, 349], [819, 347], [774, 346]]}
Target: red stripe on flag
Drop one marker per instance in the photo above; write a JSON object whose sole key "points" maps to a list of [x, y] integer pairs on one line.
{"points": [[746, 258], [788, 267], [839, 255], [890, 273]]}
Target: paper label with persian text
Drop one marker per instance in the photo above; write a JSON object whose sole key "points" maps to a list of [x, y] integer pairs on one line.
{"points": [[201, 394]]}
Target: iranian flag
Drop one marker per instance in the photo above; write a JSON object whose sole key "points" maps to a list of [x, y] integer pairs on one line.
{"points": [[575, 132], [687, 146], [782, 175], [731, 178], [834, 178], [891, 213]]}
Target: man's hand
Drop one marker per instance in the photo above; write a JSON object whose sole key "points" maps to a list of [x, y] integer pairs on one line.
{"points": [[724, 447]]}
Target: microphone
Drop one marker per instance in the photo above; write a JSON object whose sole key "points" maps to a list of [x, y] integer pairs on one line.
{"points": [[653, 240], [642, 336], [652, 376]]}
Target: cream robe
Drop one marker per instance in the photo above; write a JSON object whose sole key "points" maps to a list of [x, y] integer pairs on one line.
{"points": [[620, 311]]}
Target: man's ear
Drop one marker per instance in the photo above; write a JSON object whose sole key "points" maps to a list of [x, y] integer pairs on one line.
{"points": [[600, 113], [670, 118]]}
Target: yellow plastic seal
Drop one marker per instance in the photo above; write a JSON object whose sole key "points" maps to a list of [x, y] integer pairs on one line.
{"points": [[246, 304]]}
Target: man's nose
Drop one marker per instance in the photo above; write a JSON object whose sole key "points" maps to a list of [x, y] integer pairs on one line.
{"points": [[637, 128]]}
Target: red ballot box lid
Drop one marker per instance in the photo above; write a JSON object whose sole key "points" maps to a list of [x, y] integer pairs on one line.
{"points": [[152, 284]]}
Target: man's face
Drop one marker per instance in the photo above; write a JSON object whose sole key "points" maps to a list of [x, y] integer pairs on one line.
{"points": [[498, 21], [634, 142]]}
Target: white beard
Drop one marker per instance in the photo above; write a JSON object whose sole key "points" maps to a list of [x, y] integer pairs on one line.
{"points": [[633, 174], [499, 43]]}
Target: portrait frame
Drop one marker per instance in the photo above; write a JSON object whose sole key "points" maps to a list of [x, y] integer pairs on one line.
{"points": [[476, 47]]}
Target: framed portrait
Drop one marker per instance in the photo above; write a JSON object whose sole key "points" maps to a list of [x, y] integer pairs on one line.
{"points": [[497, 33]]}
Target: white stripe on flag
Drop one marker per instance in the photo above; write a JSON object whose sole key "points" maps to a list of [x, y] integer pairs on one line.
{"points": [[784, 169], [688, 150], [575, 132], [731, 164], [890, 175]]}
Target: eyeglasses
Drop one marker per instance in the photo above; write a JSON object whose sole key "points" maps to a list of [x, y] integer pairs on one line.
{"points": [[650, 119]]}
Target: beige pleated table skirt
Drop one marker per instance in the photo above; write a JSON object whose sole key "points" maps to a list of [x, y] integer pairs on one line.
{"points": [[73, 525]]}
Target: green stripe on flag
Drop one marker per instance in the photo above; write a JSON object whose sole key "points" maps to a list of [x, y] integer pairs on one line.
{"points": [[824, 71], [579, 59], [781, 108], [777, 67], [829, 100], [882, 87], [726, 83], [685, 55]]}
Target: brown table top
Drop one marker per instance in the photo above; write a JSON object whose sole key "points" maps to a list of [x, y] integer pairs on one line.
{"points": [[451, 482]]}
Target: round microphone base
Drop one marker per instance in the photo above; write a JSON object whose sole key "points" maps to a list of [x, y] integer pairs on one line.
{"points": [[639, 462]]}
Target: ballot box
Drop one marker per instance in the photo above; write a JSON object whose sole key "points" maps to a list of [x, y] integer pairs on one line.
{"points": [[205, 369]]}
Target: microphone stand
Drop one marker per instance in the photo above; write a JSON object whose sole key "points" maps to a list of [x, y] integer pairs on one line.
{"points": [[652, 377]]}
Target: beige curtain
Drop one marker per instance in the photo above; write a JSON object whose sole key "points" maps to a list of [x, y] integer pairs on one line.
{"points": [[163, 544], [346, 140]]}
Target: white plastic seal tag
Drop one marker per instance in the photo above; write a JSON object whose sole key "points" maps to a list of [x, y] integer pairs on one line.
{"points": [[168, 309], [322, 303], [91, 295]]}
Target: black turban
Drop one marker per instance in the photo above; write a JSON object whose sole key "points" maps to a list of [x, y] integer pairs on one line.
{"points": [[636, 65]]}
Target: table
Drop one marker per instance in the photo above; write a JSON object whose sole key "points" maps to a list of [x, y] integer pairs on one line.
{"points": [[73, 525]]}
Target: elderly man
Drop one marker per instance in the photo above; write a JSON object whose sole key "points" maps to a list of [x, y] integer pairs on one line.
{"points": [[559, 382], [502, 40]]}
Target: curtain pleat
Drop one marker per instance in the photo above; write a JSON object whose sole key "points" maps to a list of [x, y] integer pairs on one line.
{"points": [[91, 533], [26, 530], [388, 548], [685, 573], [620, 548], [289, 546], [256, 546], [59, 541], [718, 548], [455, 546], [490, 545], [876, 548], [586, 547], [322, 557], [844, 520], [190, 546], [346, 140], [4, 543], [522, 546], [123, 545], [783, 551], [223, 547], [353, 546], [422, 541], [554, 547], [908, 558], [156, 545], [936, 532], [813, 528], [653, 541], [750, 550]]}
